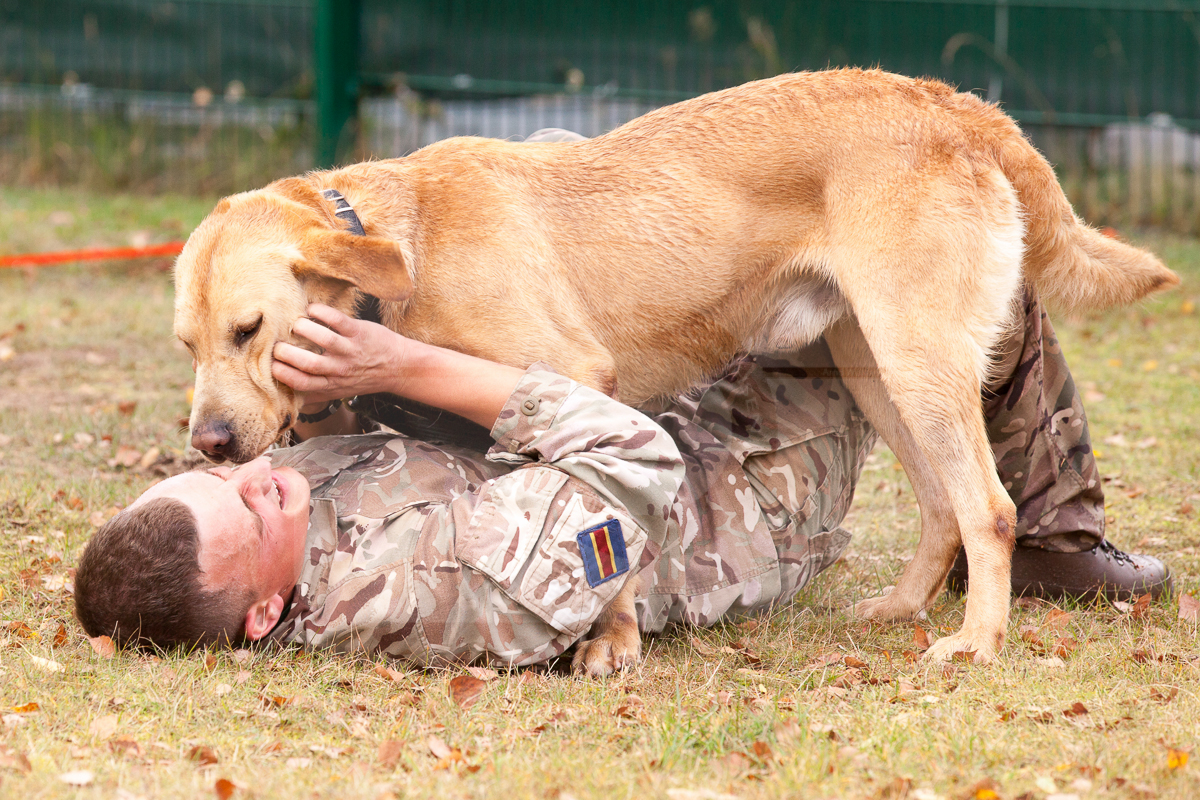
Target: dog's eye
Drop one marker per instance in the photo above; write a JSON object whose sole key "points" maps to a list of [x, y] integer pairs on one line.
{"points": [[244, 335]]}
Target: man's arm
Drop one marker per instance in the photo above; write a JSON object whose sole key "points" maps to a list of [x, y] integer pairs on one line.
{"points": [[450, 558], [365, 358]]}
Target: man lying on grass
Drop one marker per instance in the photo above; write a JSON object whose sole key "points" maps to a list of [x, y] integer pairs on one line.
{"points": [[723, 502]]}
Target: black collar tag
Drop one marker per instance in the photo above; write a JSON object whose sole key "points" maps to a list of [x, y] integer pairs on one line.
{"points": [[344, 210], [368, 306]]}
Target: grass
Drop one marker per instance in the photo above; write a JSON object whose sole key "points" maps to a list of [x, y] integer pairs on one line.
{"points": [[763, 709]]}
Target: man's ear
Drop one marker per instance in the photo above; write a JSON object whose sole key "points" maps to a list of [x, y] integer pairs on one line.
{"points": [[374, 265], [263, 616]]}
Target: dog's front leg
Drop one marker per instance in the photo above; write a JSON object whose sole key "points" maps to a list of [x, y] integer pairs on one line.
{"points": [[922, 579], [615, 641]]}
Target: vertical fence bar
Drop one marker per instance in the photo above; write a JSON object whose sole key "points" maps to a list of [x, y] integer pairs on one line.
{"points": [[335, 64]]}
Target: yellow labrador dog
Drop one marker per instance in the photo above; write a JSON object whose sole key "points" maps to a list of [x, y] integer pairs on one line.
{"points": [[895, 216]]}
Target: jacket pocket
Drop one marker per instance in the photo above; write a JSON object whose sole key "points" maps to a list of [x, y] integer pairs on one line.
{"points": [[552, 545], [587, 554], [508, 522]]}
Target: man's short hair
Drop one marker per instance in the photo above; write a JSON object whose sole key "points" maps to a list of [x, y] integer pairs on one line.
{"points": [[138, 582]]}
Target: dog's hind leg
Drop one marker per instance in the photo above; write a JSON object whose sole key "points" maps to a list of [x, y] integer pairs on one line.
{"points": [[922, 580], [939, 404], [932, 287]]}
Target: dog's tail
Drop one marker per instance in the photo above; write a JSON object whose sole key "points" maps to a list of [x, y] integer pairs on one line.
{"points": [[1072, 264]]}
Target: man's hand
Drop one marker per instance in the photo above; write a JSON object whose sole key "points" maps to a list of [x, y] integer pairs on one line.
{"points": [[354, 357], [359, 357]]}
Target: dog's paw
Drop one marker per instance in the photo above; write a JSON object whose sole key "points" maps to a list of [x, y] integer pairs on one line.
{"points": [[607, 653], [979, 647], [888, 607]]}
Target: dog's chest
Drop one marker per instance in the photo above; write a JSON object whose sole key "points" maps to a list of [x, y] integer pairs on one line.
{"points": [[796, 315]]}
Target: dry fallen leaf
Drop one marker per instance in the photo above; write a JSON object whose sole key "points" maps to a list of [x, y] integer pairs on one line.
{"points": [[14, 760], [103, 727], [126, 747], [899, 789], [445, 755], [465, 690], [1141, 606], [388, 674], [483, 673], [851, 661], [631, 707], [736, 761], [22, 630], [1057, 619], [1164, 695], [825, 660], [203, 756], [1076, 710], [28, 708], [1177, 758], [125, 456], [390, 752], [223, 788], [103, 646], [921, 638], [762, 752], [149, 459], [1189, 608], [1064, 647], [47, 664], [985, 789]]}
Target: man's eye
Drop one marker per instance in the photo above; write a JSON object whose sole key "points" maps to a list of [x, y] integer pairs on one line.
{"points": [[244, 335]]}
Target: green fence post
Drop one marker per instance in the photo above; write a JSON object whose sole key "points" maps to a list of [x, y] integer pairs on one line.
{"points": [[335, 62]]}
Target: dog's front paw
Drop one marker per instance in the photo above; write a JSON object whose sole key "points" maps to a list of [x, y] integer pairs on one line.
{"points": [[979, 647], [607, 653]]}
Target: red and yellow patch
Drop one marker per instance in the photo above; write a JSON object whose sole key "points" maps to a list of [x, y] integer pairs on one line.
{"points": [[603, 550]]}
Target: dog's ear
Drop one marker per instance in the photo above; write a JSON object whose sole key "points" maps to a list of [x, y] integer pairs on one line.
{"points": [[374, 265], [303, 193]]}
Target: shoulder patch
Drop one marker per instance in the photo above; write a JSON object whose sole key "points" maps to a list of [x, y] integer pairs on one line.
{"points": [[603, 550]]}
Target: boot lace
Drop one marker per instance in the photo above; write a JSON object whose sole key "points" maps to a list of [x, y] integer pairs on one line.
{"points": [[1112, 552]]}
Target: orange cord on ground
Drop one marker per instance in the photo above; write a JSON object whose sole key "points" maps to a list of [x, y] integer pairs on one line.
{"points": [[104, 254]]}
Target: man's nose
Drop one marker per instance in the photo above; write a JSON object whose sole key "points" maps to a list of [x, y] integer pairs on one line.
{"points": [[255, 473]]}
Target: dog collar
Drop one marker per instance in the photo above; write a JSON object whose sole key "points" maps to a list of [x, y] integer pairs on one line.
{"points": [[344, 210]]}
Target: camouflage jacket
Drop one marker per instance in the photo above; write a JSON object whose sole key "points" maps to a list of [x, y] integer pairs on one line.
{"points": [[727, 501], [438, 554]]}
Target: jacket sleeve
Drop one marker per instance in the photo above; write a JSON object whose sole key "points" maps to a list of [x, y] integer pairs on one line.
{"points": [[520, 568]]}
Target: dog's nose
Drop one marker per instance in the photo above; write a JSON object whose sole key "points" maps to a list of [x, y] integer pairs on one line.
{"points": [[213, 439]]}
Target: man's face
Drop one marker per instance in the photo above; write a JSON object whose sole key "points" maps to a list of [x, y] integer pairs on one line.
{"points": [[252, 524]]}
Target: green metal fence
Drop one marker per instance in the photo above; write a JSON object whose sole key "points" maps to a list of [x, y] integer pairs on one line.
{"points": [[219, 95]]}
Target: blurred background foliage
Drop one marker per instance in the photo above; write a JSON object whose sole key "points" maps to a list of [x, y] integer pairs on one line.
{"points": [[214, 96]]}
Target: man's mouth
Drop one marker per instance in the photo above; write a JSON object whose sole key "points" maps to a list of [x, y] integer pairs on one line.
{"points": [[280, 491]]}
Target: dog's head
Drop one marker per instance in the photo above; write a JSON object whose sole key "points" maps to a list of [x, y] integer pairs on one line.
{"points": [[247, 273]]}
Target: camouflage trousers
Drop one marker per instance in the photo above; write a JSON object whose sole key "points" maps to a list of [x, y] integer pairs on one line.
{"points": [[1039, 435], [775, 447]]}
